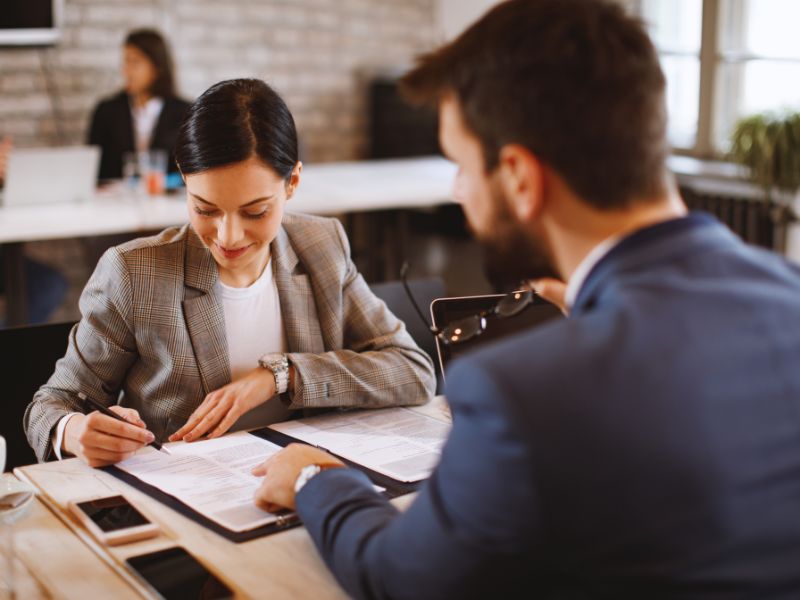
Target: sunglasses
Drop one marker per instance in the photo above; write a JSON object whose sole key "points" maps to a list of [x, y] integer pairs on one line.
{"points": [[465, 329]]}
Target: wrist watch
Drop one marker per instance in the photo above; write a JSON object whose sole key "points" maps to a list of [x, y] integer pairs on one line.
{"points": [[305, 475], [279, 365]]}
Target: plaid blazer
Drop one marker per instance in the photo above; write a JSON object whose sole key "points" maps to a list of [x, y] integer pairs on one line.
{"points": [[153, 329]]}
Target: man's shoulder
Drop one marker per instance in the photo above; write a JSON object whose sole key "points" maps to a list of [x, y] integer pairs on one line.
{"points": [[552, 359]]}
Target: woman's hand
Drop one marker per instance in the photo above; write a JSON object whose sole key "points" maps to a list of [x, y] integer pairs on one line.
{"points": [[99, 440], [222, 407], [552, 290], [280, 473]]}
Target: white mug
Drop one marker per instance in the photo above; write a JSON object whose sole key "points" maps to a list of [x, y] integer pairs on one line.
{"points": [[2, 454]]}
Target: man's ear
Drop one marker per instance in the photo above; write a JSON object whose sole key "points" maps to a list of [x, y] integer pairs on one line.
{"points": [[522, 178]]}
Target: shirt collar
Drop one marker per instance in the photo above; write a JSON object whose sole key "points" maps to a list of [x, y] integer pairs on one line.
{"points": [[585, 267]]}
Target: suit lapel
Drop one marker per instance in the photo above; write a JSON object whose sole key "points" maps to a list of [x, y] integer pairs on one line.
{"points": [[205, 319], [298, 308]]}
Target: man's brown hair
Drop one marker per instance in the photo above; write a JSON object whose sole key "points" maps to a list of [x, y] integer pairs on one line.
{"points": [[577, 82]]}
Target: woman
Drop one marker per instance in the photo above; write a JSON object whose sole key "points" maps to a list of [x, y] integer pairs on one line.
{"points": [[146, 114], [247, 307]]}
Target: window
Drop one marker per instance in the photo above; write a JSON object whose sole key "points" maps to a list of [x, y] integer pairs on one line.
{"points": [[724, 59]]}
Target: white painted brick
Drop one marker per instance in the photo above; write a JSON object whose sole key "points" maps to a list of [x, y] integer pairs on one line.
{"points": [[127, 15], [13, 59], [317, 53], [97, 35], [19, 83], [18, 129], [27, 104]]}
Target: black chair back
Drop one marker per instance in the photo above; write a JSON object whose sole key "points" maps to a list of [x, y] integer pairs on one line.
{"points": [[29, 355], [425, 290]]}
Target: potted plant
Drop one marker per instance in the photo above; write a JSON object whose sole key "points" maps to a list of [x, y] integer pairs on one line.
{"points": [[768, 144]]}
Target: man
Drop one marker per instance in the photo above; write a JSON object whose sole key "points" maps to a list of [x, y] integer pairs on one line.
{"points": [[647, 446]]}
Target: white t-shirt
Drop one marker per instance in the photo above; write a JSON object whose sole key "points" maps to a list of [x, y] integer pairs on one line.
{"points": [[254, 327], [145, 118], [253, 324]]}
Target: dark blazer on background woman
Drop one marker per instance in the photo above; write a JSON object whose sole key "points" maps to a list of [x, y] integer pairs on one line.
{"points": [[112, 130]]}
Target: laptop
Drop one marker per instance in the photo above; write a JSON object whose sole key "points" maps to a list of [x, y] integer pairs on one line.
{"points": [[51, 175], [447, 310]]}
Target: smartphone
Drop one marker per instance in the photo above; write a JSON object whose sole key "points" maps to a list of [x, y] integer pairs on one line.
{"points": [[113, 520], [174, 574]]}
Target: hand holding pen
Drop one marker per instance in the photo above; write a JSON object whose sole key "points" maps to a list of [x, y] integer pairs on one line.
{"points": [[100, 438]]}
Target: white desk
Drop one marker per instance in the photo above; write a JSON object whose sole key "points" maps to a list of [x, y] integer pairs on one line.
{"points": [[325, 189]]}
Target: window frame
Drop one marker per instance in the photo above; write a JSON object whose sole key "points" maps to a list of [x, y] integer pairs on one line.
{"points": [[711, 61]]}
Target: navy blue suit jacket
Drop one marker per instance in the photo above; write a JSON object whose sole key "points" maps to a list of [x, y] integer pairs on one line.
{"points": [[646, 447]]}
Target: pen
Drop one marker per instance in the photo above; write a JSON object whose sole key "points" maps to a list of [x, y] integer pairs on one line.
{"points": [[110, 413]]}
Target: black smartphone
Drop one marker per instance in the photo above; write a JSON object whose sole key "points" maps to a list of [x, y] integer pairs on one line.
{"points": [[174, 574]]}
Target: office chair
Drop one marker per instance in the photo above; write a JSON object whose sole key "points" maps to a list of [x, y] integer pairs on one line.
{"points": [[425, 290], [29, 357]]}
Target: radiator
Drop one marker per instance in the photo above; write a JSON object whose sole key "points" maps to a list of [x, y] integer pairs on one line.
{"points": [[750, 218]]}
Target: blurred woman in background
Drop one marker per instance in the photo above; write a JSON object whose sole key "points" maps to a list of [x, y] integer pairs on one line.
{"points": [[147, 113]]}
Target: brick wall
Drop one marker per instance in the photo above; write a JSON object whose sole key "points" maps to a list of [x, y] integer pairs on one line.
{"points": [[319, 54]]}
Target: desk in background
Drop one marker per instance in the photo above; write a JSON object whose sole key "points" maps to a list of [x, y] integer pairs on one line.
{"points": [[325, 189]]}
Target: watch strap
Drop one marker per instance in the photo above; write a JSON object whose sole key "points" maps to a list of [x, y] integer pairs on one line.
{"points": [[305, 475], [279, 365]]}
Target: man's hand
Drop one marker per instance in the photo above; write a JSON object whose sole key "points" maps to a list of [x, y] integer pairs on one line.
{"points": [[280, 473], [552, 290], [98, 440], [222, 407]]}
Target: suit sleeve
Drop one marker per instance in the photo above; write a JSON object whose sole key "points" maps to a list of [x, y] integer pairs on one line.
{"points": [[474, 517], [100, 350], [380, 364]]}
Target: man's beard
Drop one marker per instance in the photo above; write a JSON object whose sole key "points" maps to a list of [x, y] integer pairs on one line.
{"points": [[511, 254]]}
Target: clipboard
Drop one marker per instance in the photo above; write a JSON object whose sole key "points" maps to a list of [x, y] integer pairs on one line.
{"points": [[393, 488]]}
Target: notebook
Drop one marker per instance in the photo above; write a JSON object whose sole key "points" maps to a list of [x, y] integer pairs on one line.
{"points": [[51, 175], [447, 310]]}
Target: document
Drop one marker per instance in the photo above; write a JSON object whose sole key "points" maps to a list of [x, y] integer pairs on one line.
{"points": [[211, 476], [402, 443]]}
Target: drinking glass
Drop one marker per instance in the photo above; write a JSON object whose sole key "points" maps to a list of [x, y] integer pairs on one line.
{"points": [[155, 171]]}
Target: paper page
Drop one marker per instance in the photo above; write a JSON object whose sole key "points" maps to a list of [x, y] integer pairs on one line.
{"points": [[211, 476], [399, 442]]}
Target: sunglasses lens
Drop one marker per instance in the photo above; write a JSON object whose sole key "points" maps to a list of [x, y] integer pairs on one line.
{"points": [[463, 330], [514, 303]]}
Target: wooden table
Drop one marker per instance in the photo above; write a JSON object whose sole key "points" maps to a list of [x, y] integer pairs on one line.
{"points": [[325, 189], [59, 559]]}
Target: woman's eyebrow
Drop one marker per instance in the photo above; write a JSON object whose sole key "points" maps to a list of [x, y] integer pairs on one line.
{"points": [[256, 201]]}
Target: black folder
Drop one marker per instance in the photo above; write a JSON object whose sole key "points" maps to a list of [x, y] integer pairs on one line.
{"points": [[393, 489]]}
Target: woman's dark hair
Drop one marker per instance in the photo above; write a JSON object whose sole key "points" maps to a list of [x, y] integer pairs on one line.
{"points": [[577, 82], [153, 45], [233, 121]]}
